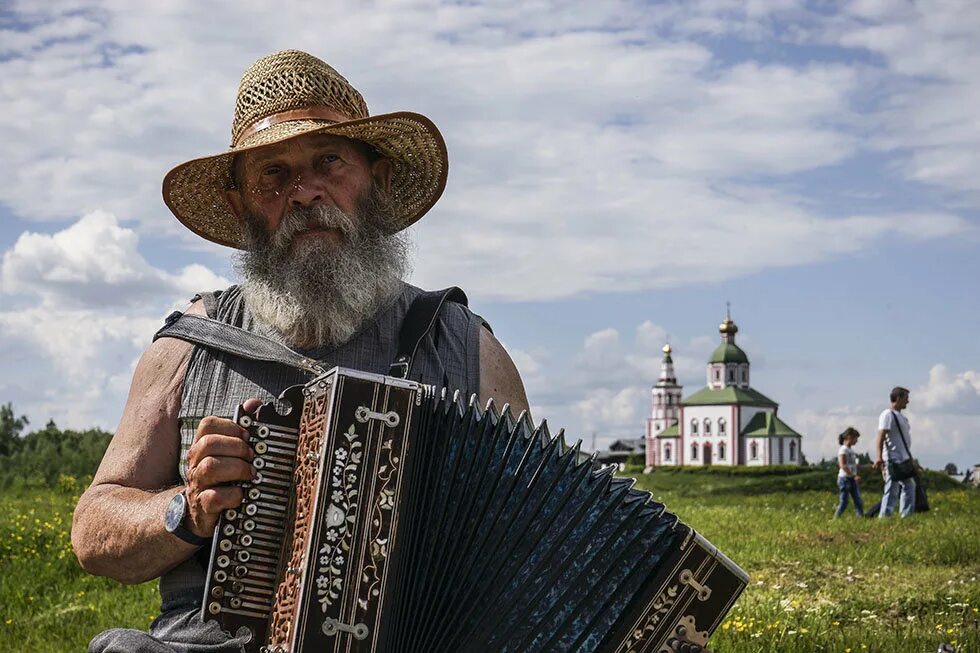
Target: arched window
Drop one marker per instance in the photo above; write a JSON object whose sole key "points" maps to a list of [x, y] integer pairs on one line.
{"points": [[792, 449], [745, 375], [707, 426], [754, 451], [731, 374], [694, 452], [721, 451], [694, 427], [721, 426], [666, 452]]}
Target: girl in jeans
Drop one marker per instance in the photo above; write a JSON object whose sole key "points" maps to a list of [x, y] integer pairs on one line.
{"points": [[847, 476]]}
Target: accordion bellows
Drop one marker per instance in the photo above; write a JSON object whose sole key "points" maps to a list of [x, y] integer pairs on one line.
{"points": [[388, 517]]}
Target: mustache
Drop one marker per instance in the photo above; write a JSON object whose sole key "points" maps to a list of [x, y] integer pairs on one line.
{"points": [[305, 218]]}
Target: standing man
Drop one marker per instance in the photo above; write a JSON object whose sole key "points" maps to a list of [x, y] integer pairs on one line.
{"points": [[315, 193], [895, 456]]}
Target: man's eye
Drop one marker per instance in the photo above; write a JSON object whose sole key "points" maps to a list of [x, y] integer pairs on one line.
{"points": [[271, 171], [327, 159]]}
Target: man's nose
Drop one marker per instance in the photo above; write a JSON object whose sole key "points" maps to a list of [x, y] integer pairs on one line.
{"points": [[306, 189]]}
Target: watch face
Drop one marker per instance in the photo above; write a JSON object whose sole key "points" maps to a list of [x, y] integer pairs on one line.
{"points": [[175, 512]]}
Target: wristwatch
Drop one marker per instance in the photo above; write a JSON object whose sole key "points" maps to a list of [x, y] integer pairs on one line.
{"points": [[173, 521]]}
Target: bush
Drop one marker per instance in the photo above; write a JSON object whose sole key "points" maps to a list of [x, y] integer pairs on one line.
{"points": [[51, 457]]}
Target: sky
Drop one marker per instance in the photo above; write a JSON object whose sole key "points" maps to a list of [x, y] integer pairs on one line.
{"points": [[618, 172]]}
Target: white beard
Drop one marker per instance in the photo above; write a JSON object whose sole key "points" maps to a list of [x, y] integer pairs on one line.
{"points": [[316, 292]]}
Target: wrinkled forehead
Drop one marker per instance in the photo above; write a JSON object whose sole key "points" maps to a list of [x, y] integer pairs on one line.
{"points": [[299, 144]]}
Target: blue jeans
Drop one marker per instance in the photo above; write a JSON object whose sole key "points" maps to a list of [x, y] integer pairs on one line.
{"points": [[849, 487], [903, 491]]}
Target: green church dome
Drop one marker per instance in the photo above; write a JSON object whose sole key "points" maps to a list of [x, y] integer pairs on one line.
{"points": [[728, 352]]}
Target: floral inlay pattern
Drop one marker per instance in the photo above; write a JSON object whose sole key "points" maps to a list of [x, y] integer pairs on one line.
{"points": [[339, 517], [661, 605]]}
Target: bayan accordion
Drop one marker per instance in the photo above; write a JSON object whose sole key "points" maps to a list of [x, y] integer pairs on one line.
{"points": [[388, 517]]}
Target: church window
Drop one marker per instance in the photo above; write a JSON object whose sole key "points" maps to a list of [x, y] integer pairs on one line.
{"points": [[707, 426], [694, 427], [666, 452], [721, 426], [717, 374], [694, 452], [731, 374], [792, 449], [721, 451], [745, 375], [754, 451]]}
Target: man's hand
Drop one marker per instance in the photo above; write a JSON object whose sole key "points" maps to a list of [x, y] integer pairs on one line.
{"points": [[878, 464], [217, 462], [857, 479]]}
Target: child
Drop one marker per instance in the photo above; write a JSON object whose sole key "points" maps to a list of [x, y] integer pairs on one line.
{"points": [[847, 476]]}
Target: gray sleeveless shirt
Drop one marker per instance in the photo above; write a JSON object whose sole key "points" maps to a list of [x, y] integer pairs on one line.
{"points": [[216, 383]]}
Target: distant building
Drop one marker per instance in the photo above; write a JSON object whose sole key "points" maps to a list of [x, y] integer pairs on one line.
{"points": [[620, 451], [724, 423]]}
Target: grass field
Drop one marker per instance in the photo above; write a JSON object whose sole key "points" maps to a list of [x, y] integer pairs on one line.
{"points": [[896, 586]]}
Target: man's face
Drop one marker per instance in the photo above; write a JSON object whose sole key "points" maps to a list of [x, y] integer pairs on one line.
{"points": [[310, 171], [902, 402]]}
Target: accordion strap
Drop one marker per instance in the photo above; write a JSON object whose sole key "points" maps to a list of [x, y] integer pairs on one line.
{"points": [[419, 321], [210, 333], [220, 336]]}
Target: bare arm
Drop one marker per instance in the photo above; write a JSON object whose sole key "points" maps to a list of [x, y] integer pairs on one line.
{"points": [[879, 445], [499, 378], [842, 464], [117, 528]]}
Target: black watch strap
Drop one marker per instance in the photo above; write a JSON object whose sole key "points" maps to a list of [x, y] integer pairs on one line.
{"points": [[190, 537]]}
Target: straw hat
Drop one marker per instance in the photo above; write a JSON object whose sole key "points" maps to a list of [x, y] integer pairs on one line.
{"points": [[290, 93]]}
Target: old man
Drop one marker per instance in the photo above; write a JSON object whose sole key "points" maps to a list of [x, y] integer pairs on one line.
{"points": [[315, 193]]}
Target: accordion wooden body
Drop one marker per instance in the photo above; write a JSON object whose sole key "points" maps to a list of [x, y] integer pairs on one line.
{"points": [[388, 517]]}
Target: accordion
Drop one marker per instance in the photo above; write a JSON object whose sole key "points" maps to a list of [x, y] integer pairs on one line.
{"points": [[386, 516]]}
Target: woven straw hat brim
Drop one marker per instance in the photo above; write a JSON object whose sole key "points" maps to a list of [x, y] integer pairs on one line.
{"points": [[195, 191]]}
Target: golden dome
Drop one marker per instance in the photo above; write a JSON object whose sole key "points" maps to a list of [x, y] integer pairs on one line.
{"points": [[728, 327], [666, 349]]}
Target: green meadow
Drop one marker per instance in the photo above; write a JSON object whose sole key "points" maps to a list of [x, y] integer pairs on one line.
{"points": [[818, 584]]}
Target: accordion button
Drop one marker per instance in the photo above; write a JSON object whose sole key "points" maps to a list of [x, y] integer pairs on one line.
{"points": [[228, 530], [245, 421], [249, 525], [261, 447], [243, 556], [225, 545], [220, 576], [217, 592], [230, 514], [263, 431], [251, 509], [235, 602], [241, 571], [246, 540], [223, 561], [214, 607], [258, 463], [238, 587], [254, 494]]}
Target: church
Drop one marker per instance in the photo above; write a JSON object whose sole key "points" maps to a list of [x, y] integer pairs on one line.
{"points": [[724, 423]]}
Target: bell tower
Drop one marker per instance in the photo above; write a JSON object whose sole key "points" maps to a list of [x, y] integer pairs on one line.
{"points": [[665, 408]]}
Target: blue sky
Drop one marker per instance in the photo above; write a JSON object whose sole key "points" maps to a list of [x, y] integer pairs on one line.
{"points": [[618, 171]]}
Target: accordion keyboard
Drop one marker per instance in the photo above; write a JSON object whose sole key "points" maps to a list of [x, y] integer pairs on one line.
{"points": [[245, 556]]}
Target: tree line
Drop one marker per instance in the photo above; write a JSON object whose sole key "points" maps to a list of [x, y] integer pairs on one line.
{"points": [[42, 457]]}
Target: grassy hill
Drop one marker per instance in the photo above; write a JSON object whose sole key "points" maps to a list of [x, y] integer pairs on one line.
{"points": [[818, 584]]}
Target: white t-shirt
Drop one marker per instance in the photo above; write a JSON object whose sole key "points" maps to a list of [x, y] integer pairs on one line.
{"points": [[850, 461], [895, 450]]}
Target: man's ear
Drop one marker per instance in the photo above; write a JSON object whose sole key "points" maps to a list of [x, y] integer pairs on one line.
{"points": [[234, 197], [381, 171]]}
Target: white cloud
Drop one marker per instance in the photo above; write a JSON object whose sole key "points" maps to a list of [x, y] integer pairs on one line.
{"points": [[603, 148], [94, 262], [88, 304], [949, 392]]}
